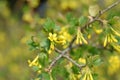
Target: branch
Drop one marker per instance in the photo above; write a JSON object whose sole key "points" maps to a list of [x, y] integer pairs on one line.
{"points": [[62, 55], [96, 18], [71, 60], [74, 38]]}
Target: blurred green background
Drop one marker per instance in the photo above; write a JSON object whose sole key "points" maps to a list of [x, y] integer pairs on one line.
{"points": [[21, 19]]}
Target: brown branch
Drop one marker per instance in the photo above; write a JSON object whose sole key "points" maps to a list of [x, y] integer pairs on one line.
{"points": [[82, 29], [70, 59]]}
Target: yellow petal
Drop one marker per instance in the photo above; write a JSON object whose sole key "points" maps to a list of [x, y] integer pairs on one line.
{"points": [[85, 41], [105, 41], [80, 41], [33, 62], [118, 34], [90, 75], [113, 38], [85, 77]]}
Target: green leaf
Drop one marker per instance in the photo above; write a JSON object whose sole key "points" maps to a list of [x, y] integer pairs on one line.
{"points": [[49, 25], [45, 76], [69, 17], [33, 45], [83, 20], [96, 60], [43, 59], [45, 44], [60, 72], [35, 68]]}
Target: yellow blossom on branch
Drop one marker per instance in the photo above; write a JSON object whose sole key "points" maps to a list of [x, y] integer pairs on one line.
{"points": [[82, 60], [80, 39], [52, 47], [87, 74], [61, 39], [34, 62], [115, 32], [110, 38], [52, 37]]}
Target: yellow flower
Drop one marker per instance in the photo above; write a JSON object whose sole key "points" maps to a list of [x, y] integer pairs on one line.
{"points": [[34, 62], [61, 40], [82, 60], [80, 39], [49, 51], [52, 37], [89, 36], [114, 66], [52, 47], [115, 32], [72, 76], [87, 74], [116, 47], [69, 65], [110, 38], [98, 31], [64, 32], [105, 41]]}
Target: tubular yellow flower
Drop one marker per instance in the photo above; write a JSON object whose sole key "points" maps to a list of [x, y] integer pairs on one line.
{"points": [[34, 62], [87, 74], [113, 38], [115, 32], [72, 76], [52, 37], [105, 41], [80, 39], [52, 47], [110, 38], [85, 77], [84, 40], [116, 47], [91, 78]]}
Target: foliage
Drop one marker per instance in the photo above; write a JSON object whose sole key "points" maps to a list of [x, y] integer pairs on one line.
{"points": [[79, 40]]}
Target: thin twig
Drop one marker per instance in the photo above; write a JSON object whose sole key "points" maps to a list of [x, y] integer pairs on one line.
{"points": [[70, 59], [83, 28]]}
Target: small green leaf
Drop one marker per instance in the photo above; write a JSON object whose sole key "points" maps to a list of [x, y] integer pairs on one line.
{"points": [[43, 59], [96, 60], [83, 20], [45, 44], [49, 25], [35, 68], [45, 76]]}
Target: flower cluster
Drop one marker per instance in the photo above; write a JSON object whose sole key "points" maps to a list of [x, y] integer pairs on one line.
{"points": [[35, 63], [87, 74], [80, 39], [111, 37]]}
